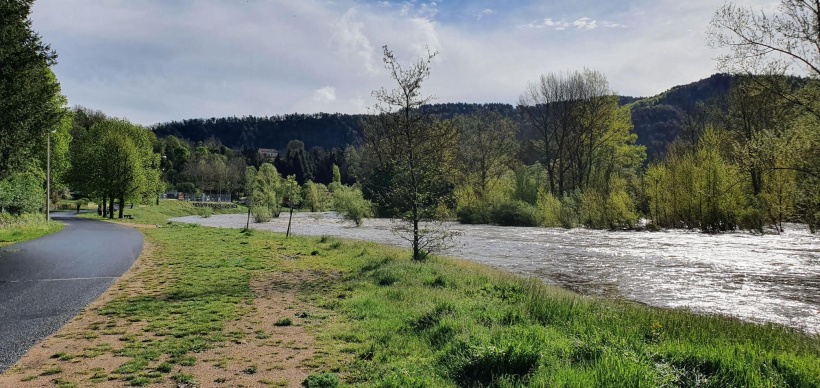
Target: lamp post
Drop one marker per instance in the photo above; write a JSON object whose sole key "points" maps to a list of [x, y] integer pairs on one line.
{"points": [[48, 175]]}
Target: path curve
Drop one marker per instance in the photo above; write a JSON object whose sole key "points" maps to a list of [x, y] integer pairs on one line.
{"points": [[47, 281]]}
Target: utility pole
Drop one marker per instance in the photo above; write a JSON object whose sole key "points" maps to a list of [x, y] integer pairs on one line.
{"points": [[48, 176]]}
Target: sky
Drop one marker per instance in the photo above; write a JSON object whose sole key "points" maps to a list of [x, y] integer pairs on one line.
{"points": [[154, 61]]}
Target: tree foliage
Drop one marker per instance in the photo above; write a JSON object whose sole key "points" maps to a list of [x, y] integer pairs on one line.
{"points": [[115, 160], [30, 102], [410, 155]]}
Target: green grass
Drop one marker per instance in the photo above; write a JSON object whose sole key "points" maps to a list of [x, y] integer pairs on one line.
{"points": [[26, 227], [159, 214], [383, 320]]}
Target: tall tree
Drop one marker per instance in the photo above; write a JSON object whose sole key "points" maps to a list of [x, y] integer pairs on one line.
{"points": [[115, 161], [487, 148], [572, 113], [411, 155], [29, 93]]}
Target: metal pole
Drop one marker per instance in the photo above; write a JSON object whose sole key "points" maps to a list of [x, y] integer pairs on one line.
{"points": [[48, 177], [289, 220], [248, 224]]}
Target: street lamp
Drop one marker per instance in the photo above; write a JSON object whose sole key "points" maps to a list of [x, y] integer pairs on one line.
{"points": [[48, 175]]}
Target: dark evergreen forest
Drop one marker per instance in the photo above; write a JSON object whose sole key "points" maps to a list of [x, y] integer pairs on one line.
{"points": [[658, 121]]}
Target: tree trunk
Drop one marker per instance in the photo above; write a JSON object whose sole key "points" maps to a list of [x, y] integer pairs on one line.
{"points": [[101, 207], [111, 207], [122, 205], [416, 253]]}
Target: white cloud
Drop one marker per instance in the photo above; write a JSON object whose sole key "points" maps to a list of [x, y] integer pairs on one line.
{"points": [[154, 61], [483, 13], [350, 39], [584, 23], [325, 94]]}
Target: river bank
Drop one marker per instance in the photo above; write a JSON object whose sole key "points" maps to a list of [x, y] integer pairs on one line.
{"points": [[762, 279], [214, 307]]}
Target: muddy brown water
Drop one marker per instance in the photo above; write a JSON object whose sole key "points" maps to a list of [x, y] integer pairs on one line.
{"points": [[771, 278]]}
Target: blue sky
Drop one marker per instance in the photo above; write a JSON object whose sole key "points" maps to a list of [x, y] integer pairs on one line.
{"points": [[157, 60]]}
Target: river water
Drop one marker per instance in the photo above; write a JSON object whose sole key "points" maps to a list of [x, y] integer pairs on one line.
{"points": [[771, 278]]}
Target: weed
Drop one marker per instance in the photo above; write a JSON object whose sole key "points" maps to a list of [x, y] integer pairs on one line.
{"points": [[52, 371], [165, 367], [283, 322], [321, 380], [184, 378]]}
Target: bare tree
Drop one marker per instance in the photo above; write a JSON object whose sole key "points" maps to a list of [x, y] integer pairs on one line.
{"points": [[786, 42], [571, 112], [411, 154]]}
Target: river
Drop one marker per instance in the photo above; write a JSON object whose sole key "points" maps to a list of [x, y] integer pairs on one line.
{"points": [[770, 278]]}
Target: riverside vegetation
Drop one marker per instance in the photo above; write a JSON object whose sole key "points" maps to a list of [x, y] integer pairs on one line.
{"points": [[25, 227], [460, 324]]}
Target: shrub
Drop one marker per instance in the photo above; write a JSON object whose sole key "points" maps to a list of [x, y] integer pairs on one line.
{"points": [[321, 380], [485, 365], [205, 212], [186, 187], [475, 214], [350, 203], [752, 218], [21, 193], [549, 209], [283, 322], [261, 214], [514, 213], [569, 211]]}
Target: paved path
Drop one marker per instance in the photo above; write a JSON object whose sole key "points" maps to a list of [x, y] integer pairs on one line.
{"points": [[46, 282]]}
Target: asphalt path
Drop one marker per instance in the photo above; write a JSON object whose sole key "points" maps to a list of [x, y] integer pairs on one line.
{"points": [[47, 281]]}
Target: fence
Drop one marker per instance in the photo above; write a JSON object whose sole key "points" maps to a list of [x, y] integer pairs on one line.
{"points": [[204, 197]]}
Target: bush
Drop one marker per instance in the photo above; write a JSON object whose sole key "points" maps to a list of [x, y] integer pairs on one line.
{"points": [[350, 203], [261, 214], [205, 212], [752, 218], [549, 209], [321, 380], [569, 211], [186, 187], [514, 213], [21, 193], [475, 214]]}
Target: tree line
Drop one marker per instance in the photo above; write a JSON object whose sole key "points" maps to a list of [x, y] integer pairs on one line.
{"points": [[568, 154]]}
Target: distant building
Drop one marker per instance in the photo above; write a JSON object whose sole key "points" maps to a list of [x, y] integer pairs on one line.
{"points": [[268, 153]]}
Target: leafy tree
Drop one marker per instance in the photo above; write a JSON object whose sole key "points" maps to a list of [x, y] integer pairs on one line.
{"points": [[350, 203], [22, 192], [487, 149], [316, 197], [114, 160], [267, 189], [337, 175], [29, 93], [572, 113], [411, 155]]}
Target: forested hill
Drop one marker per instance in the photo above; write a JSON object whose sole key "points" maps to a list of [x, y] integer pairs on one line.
{"points": [[315, 130], [657, 121]]}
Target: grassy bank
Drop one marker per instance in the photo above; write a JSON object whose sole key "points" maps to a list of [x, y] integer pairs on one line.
{"points": [[25, 227], [159, 214], [207, 296]]}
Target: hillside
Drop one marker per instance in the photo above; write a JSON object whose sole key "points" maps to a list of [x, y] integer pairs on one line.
{"points": [[657, 121]]}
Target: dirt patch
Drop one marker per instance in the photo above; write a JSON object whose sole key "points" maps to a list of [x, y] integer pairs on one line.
{"points": [[267, 346]]}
